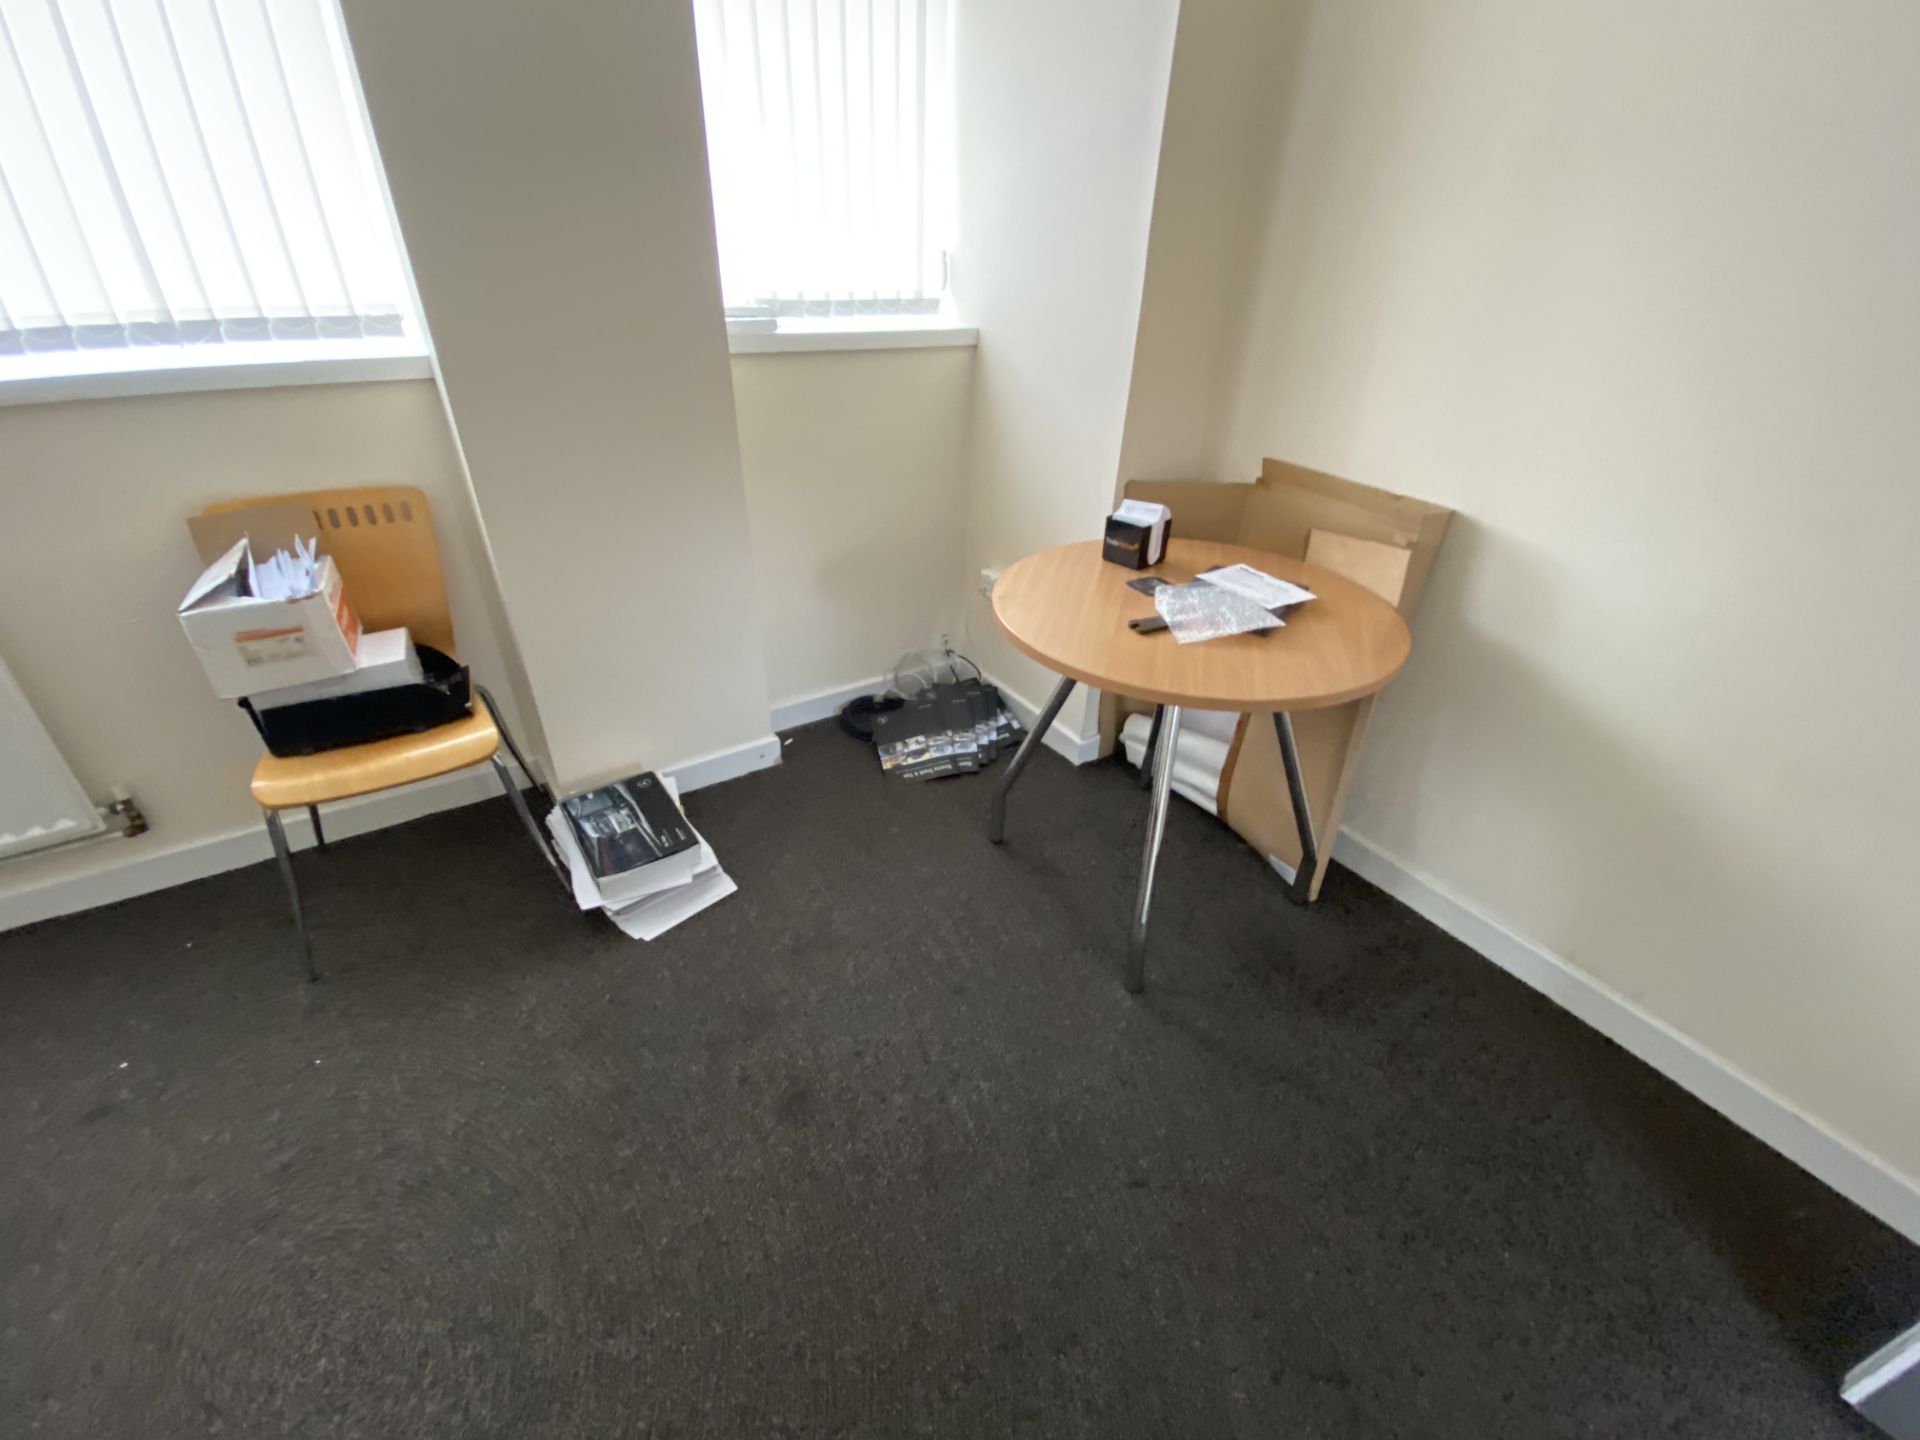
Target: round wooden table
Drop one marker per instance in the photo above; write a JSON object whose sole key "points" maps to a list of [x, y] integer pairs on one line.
{"points": [[1068, 609]]}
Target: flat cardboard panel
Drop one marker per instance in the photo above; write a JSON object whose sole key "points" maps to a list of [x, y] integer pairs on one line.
{"points": [[1367, 513], [1279, 517], [1404, 510], [268, 527], [1280, 512], [1381, 568], [1202, 510], [1257, 804]]}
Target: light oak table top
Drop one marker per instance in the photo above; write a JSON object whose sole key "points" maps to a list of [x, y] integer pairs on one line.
{"points": [[1068, 609]]}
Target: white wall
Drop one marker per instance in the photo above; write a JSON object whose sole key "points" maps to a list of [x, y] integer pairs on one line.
{"points": [[1636, 293], [1232, 73], [1059, 110], [94, 555], [855, 460], [856, 474], [548, 165], [852, 455]]}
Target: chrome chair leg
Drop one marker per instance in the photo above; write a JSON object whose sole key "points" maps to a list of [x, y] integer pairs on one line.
{"points": [[279, 837], [1302, 817], [319, 835], [1156, 828], [997, 815], [1153, 744], [526, 816], [540, 837]]}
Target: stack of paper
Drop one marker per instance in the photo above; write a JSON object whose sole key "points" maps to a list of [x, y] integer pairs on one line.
{"points": [[285, 577], [648, 902]]}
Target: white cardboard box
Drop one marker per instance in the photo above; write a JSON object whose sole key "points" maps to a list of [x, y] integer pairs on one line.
{"points": [[248, 645], [385, 658]]}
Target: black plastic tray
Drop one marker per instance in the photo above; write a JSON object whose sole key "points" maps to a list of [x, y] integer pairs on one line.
{"points": [[316, 725]]}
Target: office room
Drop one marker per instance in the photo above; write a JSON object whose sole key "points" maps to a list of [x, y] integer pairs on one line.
{"points": [[955, 717]]}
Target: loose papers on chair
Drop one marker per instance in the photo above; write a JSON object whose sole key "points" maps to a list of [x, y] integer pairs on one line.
{"points": [[282, 576], [659, 870]]}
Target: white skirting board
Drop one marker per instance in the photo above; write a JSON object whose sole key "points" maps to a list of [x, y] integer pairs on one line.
{"points": [[1874, 1186], [704, 770], [823, 704], [147, 867], [1080, 749], [1882, 1192], [1885, 1387]]}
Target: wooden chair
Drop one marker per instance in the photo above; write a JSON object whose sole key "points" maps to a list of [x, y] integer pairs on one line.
{"points": [[381, 537]]}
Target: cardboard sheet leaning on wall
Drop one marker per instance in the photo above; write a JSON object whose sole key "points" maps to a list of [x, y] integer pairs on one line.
{"points": [[1279, 512]]}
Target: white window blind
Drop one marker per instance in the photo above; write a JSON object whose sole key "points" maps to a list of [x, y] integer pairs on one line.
{"points": [[829, 124], [186, 172]]}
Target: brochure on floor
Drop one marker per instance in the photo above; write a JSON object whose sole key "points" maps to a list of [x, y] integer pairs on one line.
{"points": [[954, 727], [632, 853]]}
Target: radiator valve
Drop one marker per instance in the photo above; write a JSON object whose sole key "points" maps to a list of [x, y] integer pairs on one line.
{"points": [[126, 810]]}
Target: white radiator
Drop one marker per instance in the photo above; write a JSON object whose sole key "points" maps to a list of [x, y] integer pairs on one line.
{"points": [[41, 804]]}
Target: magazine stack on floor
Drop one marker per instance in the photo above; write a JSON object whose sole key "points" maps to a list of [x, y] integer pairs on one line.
{"points": [[631, 853], [945, 721]]}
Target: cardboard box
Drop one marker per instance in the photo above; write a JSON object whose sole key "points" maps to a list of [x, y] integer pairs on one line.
{"points": [[385, 658], [1282, 511], [247, 645]]}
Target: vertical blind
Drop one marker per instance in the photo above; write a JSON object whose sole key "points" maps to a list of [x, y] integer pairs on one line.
{"points": [[186, 172], [828, 127]]}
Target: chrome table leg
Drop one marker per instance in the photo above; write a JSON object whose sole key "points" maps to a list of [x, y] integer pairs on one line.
{"points": [[1153, 743], [1302, 817], [1156, 827], [997, 816]]}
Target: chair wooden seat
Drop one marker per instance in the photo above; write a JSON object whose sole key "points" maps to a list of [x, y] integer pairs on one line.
{"points": [[280, 783]]}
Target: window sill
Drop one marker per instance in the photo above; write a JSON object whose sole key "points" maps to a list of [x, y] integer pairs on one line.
{"points": [[170, 370], [853, 333]]}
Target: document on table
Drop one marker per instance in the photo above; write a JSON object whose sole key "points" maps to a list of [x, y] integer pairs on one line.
{"points": [[1269, 592]]}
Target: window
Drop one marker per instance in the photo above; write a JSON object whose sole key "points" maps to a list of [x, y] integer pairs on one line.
{"points": [[187, 182], [828, 129]]}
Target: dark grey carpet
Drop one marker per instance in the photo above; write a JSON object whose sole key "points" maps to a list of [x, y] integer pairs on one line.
{"points": [[878, 1147]]}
